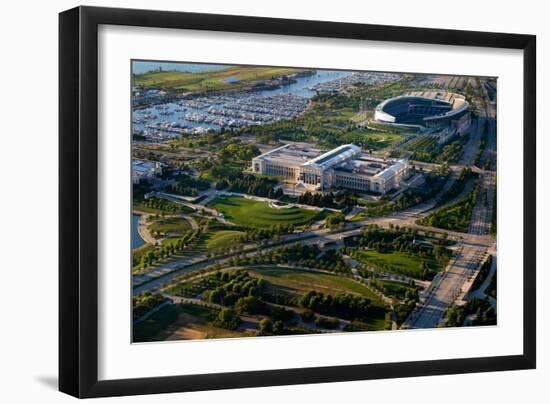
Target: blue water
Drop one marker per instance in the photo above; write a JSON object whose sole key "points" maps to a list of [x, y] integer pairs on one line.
{"points": [[137, 241], [302, 83], [139, 67]]}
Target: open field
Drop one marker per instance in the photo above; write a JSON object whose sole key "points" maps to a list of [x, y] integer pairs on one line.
{"points": [[423, 148], [224, 239], [298, 281], [342, 115], [391, 128], [359, 116], [397, 262], [295, 282], [170, 225], [372, 140], [258, 214], [179, 322], [393, 288], [211, 240], [211, 80]]}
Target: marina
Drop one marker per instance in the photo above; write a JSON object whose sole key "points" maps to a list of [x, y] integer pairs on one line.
{"points": [[200, 114]]}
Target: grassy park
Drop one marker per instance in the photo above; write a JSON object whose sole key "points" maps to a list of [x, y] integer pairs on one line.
{"points": [[170, 225], [258, 214], [397, 262], [210, 80], [298, 281], [295, 283], [224, 239], [371, 140]]}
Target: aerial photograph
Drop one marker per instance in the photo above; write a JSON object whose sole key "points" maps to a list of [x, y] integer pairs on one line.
{"points": [[271, 201]]}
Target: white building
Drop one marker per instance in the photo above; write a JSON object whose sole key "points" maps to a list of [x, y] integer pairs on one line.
{"points": [[345, 166], [145, 170], [370, 174]]}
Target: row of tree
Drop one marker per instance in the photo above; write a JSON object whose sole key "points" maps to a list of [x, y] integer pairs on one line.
{"points": [[317, 199], [232, 287], [188, 186], [298, 255], [168, 249], [483, 312], [161, 204], [344, 305], [252, 185], [272, 233], [458, 186], [145, 302], [457, 216]]}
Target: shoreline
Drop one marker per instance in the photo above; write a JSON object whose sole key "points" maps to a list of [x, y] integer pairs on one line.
{"points": [[142, 229]]}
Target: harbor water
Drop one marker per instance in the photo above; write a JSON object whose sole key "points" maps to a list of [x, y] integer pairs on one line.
{"points": [[137, 241]]}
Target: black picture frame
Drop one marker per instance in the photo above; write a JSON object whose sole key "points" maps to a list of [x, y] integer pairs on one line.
{"points": [[78, 196]]}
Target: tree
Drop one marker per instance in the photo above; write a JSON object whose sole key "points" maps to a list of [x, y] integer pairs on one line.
{"points": [[307, 315], [250, 305], [228, 319], [265, 327], [278, 327]]}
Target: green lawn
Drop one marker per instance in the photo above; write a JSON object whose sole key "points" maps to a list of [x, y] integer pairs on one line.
{"points": [[397, 262], [341, 115], [224, 239], [296, 282], [209, 81], [170, 225], [393, 288], [359, 116], [257, 214], [391, 128], [372, 140], [299, 281]]}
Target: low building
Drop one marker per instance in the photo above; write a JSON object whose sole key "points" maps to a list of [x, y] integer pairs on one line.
{"points": [[145, 170], [345, 166]]}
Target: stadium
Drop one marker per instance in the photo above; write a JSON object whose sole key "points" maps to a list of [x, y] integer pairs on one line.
{"points": [[425, 109]]}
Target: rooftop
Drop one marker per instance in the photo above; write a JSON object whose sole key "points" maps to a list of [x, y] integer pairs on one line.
{"points": [[391, 170], [290, 154], [365, 165], [143, 165], [335, 156]]}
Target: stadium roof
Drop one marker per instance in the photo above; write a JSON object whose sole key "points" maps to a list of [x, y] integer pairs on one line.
{"points": [[445, 105]]}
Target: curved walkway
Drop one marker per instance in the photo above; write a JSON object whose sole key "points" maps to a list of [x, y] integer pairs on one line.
{"points": [[143, 229]]}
